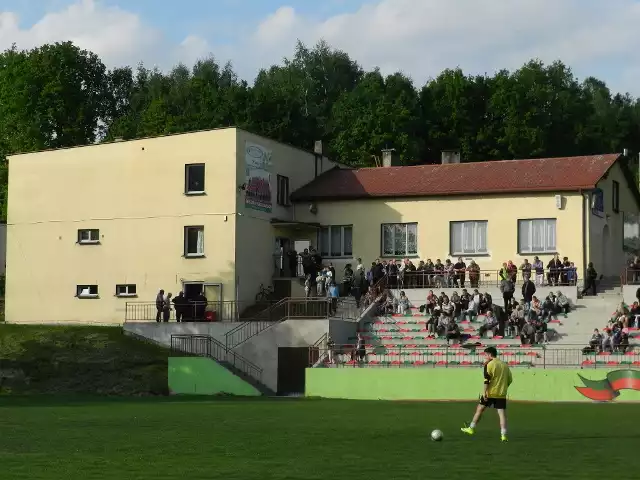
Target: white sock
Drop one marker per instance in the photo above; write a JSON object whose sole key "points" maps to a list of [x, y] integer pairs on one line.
{"points": [[503, 431], [472, 425]]}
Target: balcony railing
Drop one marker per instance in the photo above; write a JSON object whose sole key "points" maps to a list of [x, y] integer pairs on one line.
{"points": [[458, 356], [195, 312]]}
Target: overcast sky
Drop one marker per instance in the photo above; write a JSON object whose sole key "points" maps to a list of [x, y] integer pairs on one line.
{"points": [[417, 37]]}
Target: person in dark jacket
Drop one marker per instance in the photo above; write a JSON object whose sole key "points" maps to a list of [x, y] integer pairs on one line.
{"points": [[590, 280], [358, 285], [507, 288], [528, 291]]}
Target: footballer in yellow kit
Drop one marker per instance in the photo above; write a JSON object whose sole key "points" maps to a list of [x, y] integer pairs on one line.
{"points": [[497, 379]]}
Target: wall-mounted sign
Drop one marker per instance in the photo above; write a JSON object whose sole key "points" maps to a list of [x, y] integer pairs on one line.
{"points": [[597, 202], [258, 177]]}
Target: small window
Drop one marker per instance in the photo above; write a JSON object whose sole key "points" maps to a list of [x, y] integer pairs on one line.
{"points": [[468, 238], [283, 191], [194, 241], [87, 291], [537, 236], [399, 239], [126, 290], [336, 241], [88, 236], [194, 179], [615, 202]]}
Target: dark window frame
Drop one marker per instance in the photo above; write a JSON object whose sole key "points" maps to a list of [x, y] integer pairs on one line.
{"points": [[91, 241], [329, 253], [185, 252], [187, 189], [282, 194], [615, 194], [82, 286], [128, 294]]}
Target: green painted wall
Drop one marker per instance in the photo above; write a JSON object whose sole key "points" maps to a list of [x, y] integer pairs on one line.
{"points": [[203, 376], [551, 385]]}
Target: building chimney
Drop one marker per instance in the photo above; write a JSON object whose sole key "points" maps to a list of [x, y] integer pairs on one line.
{"points": [[390, 158], [450, 156]]}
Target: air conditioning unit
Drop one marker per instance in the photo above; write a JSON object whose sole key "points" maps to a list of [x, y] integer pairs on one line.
{"points": [[559, 202]]}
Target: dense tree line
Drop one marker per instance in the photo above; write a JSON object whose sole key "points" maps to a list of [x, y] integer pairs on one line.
{"points": [[59, 95]]}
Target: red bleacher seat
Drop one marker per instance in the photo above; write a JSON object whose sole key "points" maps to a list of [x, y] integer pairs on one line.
{"points": [[396, 362], [613, 363], [590, 362], [441, 363], [418, 362]]}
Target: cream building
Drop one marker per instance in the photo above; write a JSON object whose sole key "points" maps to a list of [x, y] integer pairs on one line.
{"points": [[490, 212], [92, 228]]}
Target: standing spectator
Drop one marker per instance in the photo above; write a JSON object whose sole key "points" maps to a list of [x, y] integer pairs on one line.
{"points": [[180, 304], [507, 288], [358, 285], [307, 286], [333, 297], [460, 269], [159, 305], [526, 270], [528, 291], [590, 280], [347, 278], [538, 267], [555, 269], [474, 274], [166, 308]]}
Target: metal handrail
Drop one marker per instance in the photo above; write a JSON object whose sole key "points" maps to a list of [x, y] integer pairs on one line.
{"points": [[207, 346]]}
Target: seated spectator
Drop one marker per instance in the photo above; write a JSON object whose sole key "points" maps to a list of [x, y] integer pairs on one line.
{"points": [[528, 333], [472, 310], [403, 304], [624, 340], [548, 308], [447, 308], [517, 319], [634, 315], [432, 302], [620, 316], [541, 335], [485, 303], [535, 309], [563, 305], [453, 332], [464, 300], [595, 343], [607, 341], [490, 324], [457, 307]]}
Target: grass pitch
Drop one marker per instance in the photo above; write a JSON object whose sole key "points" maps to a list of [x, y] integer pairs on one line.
{"points": [[48, 438]]}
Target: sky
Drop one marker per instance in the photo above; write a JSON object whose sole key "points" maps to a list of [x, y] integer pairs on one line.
{"points": [[418, 37]]}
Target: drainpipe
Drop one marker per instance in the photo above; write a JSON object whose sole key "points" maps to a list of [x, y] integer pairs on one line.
{"points": [[585, 234]]}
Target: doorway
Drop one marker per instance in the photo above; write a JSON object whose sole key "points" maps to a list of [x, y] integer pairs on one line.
{"points": [[292, 364], [193, 292]]}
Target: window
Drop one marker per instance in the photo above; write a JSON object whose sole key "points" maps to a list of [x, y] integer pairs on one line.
{"points": [[399, 239], [194, 241], [87, 291], [615, 203], [126, 290], [283, 191], [537, 236], [468, 238], [194, 179], [336, 241], [88, 236]]}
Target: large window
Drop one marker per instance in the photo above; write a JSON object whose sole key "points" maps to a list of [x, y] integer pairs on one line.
{"points": [[283, 191], [615, 202], [537, 235], [336, 241], [194, 241], [194, 179], [468, 238], [399, 239]]}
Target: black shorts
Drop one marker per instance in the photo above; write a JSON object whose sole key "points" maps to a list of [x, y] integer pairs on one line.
{"points": [[497, 403]]}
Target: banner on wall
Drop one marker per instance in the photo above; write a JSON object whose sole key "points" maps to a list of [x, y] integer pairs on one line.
{"points": [[258, 177]]}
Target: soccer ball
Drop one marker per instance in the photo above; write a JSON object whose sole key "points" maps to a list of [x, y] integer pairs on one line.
{"points": [[436, 435]]}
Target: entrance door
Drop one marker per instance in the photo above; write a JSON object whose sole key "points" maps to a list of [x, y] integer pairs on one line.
{"points": [[193, 292], [292, 364]]}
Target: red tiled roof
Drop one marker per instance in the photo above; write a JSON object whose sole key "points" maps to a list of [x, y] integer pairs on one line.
{"points": [[493, 177]]}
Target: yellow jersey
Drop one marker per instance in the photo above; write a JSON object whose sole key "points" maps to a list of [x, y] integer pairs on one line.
{"points": [[497, 376]]}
